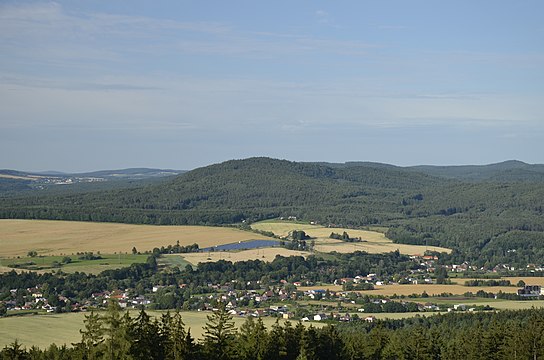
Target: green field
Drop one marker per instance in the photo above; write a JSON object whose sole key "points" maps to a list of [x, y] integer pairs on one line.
{"points": [[499, 304], [36, 329], [47, 263], [173, 260]]}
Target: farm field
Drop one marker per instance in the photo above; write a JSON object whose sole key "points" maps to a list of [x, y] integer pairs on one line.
{"points": [[282, 228], [49, 237], [396, 316], [500, 304], [373, 242], [46, 263], [36, 329], [528, 280], [430, 289], [264, 254]]}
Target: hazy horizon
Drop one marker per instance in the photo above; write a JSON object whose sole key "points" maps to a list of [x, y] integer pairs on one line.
{"points": [[189, 169], [86, 86]]}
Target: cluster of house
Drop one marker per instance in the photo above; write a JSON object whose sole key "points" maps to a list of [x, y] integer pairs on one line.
{"points": [[533, 268], [359, 279], [122, 297], [34, 300]]}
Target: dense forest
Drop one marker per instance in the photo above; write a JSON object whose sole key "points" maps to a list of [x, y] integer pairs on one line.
{"points": [[117, 335], [494, 217]]}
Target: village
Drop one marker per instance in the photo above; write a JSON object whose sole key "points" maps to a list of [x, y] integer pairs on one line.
{"points": [[298, 300]]}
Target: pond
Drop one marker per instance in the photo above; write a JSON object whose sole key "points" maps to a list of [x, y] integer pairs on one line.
{"points": [[250, 244]]}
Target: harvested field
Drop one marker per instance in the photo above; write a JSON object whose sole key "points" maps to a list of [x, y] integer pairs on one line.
{"points": [[47, 237], [430, 289], [281, 228], [377, 248], [528, 280], [264, 254], [373, 242]]}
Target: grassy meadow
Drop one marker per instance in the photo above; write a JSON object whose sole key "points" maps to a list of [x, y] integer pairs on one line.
{"points": [[374, 242], [36, 329], [49, 237], [47, 263]]}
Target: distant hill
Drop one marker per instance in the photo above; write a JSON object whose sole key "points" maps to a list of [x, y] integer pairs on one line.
{"points": [[506, 171], [13, 181], [134, 173], [486, 220]]}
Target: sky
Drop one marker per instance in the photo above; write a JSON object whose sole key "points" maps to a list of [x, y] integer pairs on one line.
{"points": [[109, 84]]}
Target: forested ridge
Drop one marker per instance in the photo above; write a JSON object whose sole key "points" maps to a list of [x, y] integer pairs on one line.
{"points": [[497, 218]]}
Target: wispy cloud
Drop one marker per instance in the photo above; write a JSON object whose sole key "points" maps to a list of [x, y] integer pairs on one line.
{"points": [[322, 16], [47, 34], [75, 84]]}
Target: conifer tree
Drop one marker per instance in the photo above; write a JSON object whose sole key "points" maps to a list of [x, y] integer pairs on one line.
{"points": [[179, 343], [292, 337], [275, 347], [330, 345], [308, 345], [146, 341], [252, 340], [116, 332], [92, 337], [15, 352], [219, 335]]}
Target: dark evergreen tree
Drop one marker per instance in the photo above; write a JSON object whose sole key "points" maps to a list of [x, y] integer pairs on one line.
{"points": [[14, 351], [92, 337], [116, 332], [219, 335], [146, 338], [252, 340]]}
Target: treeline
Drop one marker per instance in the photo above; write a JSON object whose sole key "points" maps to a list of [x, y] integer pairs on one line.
{"points": [[116, 335], [344, 237], [486, 222], [176, 249], [479, 282]]}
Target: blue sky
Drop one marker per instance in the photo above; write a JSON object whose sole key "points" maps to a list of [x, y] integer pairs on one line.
{"points": [[88, 85]]}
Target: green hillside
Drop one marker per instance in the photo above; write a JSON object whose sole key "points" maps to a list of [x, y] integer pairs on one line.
{"points": [[486, 220], [507, 171]]}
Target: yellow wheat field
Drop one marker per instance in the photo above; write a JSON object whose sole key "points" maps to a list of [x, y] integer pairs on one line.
{"points": [[529, 280], [264, 254], [47, 237], [430, 289], [373, 242]]}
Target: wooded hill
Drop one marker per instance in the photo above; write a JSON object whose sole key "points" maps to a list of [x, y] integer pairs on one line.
{"points": [[489, 220]]}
